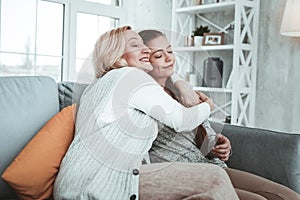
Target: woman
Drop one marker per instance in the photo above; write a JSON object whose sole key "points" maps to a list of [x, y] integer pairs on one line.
{"points": [[115, 126], [171, 146]]}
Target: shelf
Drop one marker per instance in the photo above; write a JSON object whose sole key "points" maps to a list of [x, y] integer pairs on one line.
{"points": [[208, 8], [217, 120], [210, 89], [205, 48], [246, 47], [223, 90], [237, 97]]}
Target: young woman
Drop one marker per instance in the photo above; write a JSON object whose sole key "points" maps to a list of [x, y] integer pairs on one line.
{"points": [[115, 126], [172, 146]]}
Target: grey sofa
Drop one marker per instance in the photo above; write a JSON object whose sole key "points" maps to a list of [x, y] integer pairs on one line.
{"points": [[27, 103]]}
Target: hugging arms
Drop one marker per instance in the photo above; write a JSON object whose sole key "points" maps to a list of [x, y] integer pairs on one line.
{"points": [[116, 124]]}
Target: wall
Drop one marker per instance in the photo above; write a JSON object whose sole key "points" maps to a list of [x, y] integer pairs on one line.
{"points": [[147, 14], [278, 75]]}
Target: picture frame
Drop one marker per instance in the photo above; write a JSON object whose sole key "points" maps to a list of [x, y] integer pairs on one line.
{"points": [[213, 39]]}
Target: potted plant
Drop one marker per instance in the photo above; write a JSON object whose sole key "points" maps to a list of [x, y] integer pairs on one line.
{"points": [[198, 34]]}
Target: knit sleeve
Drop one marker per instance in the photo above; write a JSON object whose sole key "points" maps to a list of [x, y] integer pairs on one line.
{"points": [[150, 98], [175, 77]]}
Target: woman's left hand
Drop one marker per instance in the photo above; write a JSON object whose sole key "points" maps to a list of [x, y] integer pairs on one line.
{"points": [[223, 148], [187, 96], [204, 98]]}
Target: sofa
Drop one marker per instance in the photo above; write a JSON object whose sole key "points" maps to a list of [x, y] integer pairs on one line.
{"points": [[28, 102]]}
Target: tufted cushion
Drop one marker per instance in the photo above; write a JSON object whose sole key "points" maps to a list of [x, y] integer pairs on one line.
{"points": [[69, 93]]}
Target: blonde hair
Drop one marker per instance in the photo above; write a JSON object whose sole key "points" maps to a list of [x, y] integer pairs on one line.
{"points": [[108, 51]]}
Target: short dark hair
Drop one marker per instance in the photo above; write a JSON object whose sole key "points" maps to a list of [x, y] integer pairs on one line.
{"points": [[148, 35]]}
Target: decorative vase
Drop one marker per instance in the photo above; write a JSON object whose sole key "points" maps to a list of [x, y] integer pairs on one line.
{"points": [[196, 2], [198, 40], [212, 72], [193, 80], [188, 40]]}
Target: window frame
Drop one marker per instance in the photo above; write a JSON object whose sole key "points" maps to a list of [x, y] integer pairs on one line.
{"points": [[80, 6]]}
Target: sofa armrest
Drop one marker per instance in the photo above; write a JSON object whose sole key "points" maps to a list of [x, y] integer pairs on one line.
{"points": [[270, 154]]}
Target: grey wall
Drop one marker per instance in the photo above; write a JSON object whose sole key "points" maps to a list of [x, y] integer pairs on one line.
{"points": [[278, 75], [146, 14]]}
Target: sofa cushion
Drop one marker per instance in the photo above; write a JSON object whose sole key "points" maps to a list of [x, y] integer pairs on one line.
{"points": [[26, 104], [33, 172], [69, 93], [270, 154]]}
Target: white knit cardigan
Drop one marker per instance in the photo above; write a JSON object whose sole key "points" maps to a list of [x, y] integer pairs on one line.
{"points": [[111, 139], [105, 155]]}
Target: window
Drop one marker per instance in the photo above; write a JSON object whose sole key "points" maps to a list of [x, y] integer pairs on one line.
{"points": [[52, 37], [87, 34], [89, 20], [31, 38]]}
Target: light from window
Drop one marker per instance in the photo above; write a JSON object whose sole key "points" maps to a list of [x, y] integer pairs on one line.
{"points": [[31, 38], [18, 25], [49, 28], [89, 28]]}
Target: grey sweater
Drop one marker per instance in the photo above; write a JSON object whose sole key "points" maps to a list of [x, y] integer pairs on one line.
{"points": [[172, 146]]}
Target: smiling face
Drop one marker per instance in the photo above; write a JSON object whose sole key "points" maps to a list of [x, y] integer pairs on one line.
{"points": [[162, 58], [136, 53]]}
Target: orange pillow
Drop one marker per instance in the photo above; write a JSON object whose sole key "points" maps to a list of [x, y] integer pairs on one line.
{"points": [[33, 172]]}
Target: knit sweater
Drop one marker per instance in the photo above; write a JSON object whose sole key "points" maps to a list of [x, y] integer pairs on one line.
{"points": [[172, 146], [115, 127]]}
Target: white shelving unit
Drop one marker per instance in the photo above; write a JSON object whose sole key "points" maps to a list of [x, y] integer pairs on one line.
{"points": [[240, 63]]}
